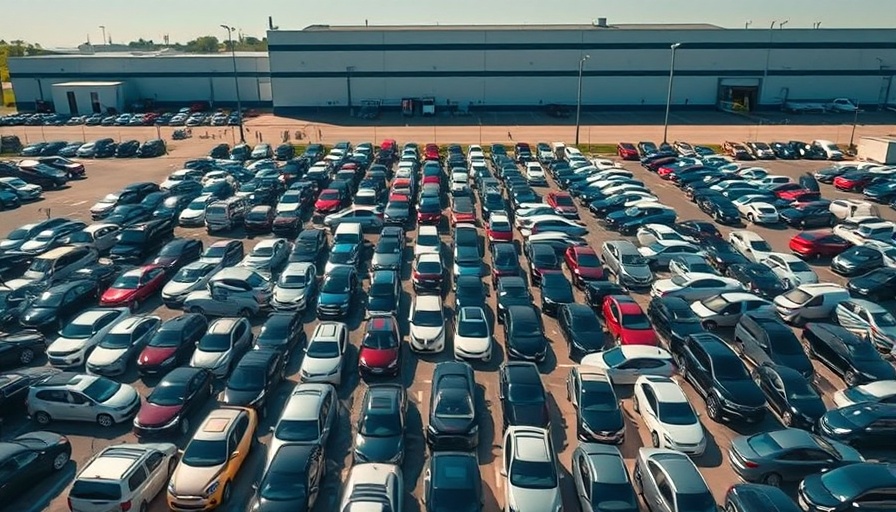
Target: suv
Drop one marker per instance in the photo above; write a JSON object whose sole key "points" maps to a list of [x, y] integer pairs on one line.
{"points": [[59, 263], [530, 465], [762, 338], [232, 291], [221, 346], [670, 482], [77, 397], [225, 214], [809, 302], [123, 475], [137, 242], [80, 335]]}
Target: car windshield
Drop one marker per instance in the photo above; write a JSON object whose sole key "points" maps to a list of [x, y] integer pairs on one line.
{"points": [[116, 341], [131, 237], [335, 285], [291, 281], [51, 299], [203, 454], [76, 331], [297, 430], [426, 318], [246, 378], [80, 237], [284, 486], [799, 389], [676, 413], [526, 394], [588, 260], [342, 255], [428, 240], [198, 204], [166, 338], [379, 340], [167, 395], [729, 368], [636, 321], [534, 475], [18, 234], [862, 351], [760, 245], [385, 246], [215, 343], [633, 259], [101, 389], [262, 251], [597, 397], [190, 275], [797, 296], [799, 266], [472, 328], [453, 404], [883, 319], [716, 304], [323, 349]]}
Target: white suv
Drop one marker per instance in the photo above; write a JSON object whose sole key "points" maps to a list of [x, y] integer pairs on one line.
{"points": [[530, 465], [79, 337], [324, 354], [427, 240], [668, 415], [809, 302], [131, 474]]}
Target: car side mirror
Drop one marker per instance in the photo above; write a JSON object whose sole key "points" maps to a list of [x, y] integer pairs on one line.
{"points": [[235, 454]]}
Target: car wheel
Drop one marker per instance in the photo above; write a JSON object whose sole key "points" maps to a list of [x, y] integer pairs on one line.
{"points": [[105, 421], [772, 479], [787, 419], [655, 439], [713, 409], [143, 507], [197, 309], [26, 356], [851, 378], [42, 418], [710, 325], [61, 460], [184, 426], [635, 405]]}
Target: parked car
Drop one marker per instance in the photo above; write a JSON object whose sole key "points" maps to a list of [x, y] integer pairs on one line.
{"points": [[176, 398], [171, 344], [855, 486], [453, 477], [598, 415], [134, 287], [670, 482], [254, 378], [381, 425], [453, 421], [761, 338], [324, 354], [789, 395], [668, 415], [103, 401], [625, 363], [35, 455], [847, 355], [601, 479]]}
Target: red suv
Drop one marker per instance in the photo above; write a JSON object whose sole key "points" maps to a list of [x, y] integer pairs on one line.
{"points": [[818, 243], [380, 352]]}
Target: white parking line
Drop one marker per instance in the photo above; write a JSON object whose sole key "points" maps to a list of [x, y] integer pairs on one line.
{"points": [[567, 365], [79, 203]]}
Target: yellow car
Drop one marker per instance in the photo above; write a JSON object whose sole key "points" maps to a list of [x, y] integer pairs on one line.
{"points": [[203, 479]]}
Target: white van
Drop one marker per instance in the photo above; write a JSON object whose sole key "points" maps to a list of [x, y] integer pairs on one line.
{"points": [[348, 233]]}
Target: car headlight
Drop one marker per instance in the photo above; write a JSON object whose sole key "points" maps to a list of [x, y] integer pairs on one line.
{"points": [[668, 439], [171, 487], [211, 489], [393, 364], [258, 399]]}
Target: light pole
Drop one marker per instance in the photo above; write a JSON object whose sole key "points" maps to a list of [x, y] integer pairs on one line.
{"points": [[348, 87], [236, 82], [579, 95], [103, 28], [669, 94]]}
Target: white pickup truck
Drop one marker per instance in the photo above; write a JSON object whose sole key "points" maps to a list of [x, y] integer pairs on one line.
{"points": [[842, 105], [835, 105]]}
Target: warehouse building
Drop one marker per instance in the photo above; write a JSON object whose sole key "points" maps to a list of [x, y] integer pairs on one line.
{"points": [[466, 68], [148, 78]]}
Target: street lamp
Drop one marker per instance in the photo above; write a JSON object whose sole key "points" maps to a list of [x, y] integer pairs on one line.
{"points": [[579, 95], [103, 28], [669, 94], [236, 82]]}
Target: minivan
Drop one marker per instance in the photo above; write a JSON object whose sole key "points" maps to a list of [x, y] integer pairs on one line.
{"points": [[348, 233], [59, 263], [225, 214]]}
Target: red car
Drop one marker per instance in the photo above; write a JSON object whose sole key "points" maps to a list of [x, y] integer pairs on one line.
{"points": [[431, 152], [627, 151], [462, 211], [499, 229], [583, 264], [429, 212], [330, 200], [135, 286], [666, 171], [656, 164], [389, 145], [795, 192], [401, 186], [820, 243], [626, 321], [349, 166], [432, 178], [179, 395], [380, 352], [854, 181], [563, 204]]}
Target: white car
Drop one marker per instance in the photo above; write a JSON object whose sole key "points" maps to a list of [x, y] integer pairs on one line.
{"points": [[194, 214], [295, 286], [24, 191], [752, 173], [661, 252], [233, 291], [861, 233], [191, 277], [373, 486], [650, 233], [122, 343], [472, 335], [625, 187], [101, 236], [888, 251], [178, 177], [881, 391], [625, 363], [324, 354], [726, 309], [428, 240], [81, 334], [267, 256], [223, 343], [535, 173], [757, 211], [427, 324], [750, 244], [847, 208], [694, 286], [307, 418], [791, 269], [668, 415], [769, 182], [531, 468], [530, 211]]}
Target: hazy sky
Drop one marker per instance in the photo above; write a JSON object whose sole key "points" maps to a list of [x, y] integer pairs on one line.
{"points": [[68, 22]]}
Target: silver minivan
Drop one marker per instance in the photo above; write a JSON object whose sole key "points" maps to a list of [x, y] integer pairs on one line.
{"points": [[225, 214]]}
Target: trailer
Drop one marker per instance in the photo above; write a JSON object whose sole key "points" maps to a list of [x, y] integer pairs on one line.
{"points": [[881, 150]]}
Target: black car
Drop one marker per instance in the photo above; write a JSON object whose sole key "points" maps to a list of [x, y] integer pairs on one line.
{"points": [[177, 253], [807, 217], [720, 377], [14, 386], [152, 148], [698, 229], [172, 344], [154, 199], [524, 401], [512, 291], [14, 264], [337, 293], [292, 480], [397, 211], [453, 417], [131, 194], [172, 206], [283, 332], [180, 394], [49, 311], [673, 319], [878, 285], [847, 355], [721, 254], [254, 379], [757, 278], [857, 260], [453, 483], [581, 329], [309, 245], [381, 425], [598, 415], [220, 151], [469, 291], [505, 262], [862, 486], [384, 293], [19, 348], [524, 333], [128, 214], [44, 175], [763, 338], [757, 497], [596, 291], [137, 242], [189, 188], [718, 207], [556, 291], [862, 424], [284, 152], [29, 458], [127, 149], [789, 395], [9, 200], [541, 258]]}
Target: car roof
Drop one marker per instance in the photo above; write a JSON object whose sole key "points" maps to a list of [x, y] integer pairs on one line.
{"points": [[305, 401], [530, 444], [328, 330], [820, 288], [522, 372], [428, 302], [686, 479], [92, 316], [429, 257], [223, 325], [665, 389], [740, 297], [260, 357], [636, 351], [880, 387], [217, 424], [114, 462], [127, 325]]}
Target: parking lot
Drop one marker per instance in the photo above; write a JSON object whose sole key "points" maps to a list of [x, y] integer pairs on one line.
{"points": [[110, 175]]}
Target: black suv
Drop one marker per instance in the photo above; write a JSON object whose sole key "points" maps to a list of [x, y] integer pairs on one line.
{"points": [[309, 245], [720, 377], [139, 241], [763, 338]]}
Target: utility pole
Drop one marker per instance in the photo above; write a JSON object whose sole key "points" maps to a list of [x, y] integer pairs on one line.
{"points": [[579, 95], [669, 94], [236, 81]]}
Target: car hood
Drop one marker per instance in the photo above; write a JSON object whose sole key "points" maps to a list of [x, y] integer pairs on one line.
{"points": [[686, 434], [426, 333], [38, 316], [192, 481], [534, 500], [105, 356], [102, 207], [603, 421], [203, 359], [62, 345], [192, 214], [152, 356], [152, 415], [320, 366], [380, 304], [174, 289], [798, 362], [639, 336], [117, 294], [9, 245], [240, 397], [665, 286], [471, 344], [378, 448], [880, 369], [638, 272], [287, 295], [813, 488], [454, 425], [387, 259], [529, 344], [745, 392], [378, 358]]}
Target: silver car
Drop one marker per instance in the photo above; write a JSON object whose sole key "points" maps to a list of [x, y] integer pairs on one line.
{"points": [[307, 418], [623, 260], [121, 344], [221, 346], [530, 466], [77, 397], [296, 285], [191, 277], [234, 291], [670, 482], [725, 309], [866, 318], [80, 335]]}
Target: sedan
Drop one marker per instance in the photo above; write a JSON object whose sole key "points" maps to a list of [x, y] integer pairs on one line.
{"points": [[53, 308], [661, 252], [818, 244], [668, 415], [598, 415], [853, 358], [267, 256], [725, 309], [601, 479], [370, 218], [869, 484], [134, 287], [523, 397], [695, 286], [857, 260], [626, 322], [789, 395], [625, 363], [453, 422], [34, 456], [879, 284], [176, 397], [472, 337]]}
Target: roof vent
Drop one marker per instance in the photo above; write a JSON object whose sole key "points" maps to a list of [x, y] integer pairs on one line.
{"points": [[600, 22]]}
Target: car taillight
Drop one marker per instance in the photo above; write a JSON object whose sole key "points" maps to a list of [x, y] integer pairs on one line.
{"points": [[125, 506], [416, 275], [750, 464], [70, 504]]}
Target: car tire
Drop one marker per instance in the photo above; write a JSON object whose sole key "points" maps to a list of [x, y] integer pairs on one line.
{"points": [[772, 479], [710, 325], [105, 421], [655, 439], [61, 460], [26, 356], [713, 408], [184, 426], [851, 378], [42, 418]]}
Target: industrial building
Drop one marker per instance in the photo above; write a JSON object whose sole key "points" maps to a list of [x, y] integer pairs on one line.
{"points": [[465, 68]]}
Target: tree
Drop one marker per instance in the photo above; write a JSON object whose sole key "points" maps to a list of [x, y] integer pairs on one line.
{"points": [[203, 44]]}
